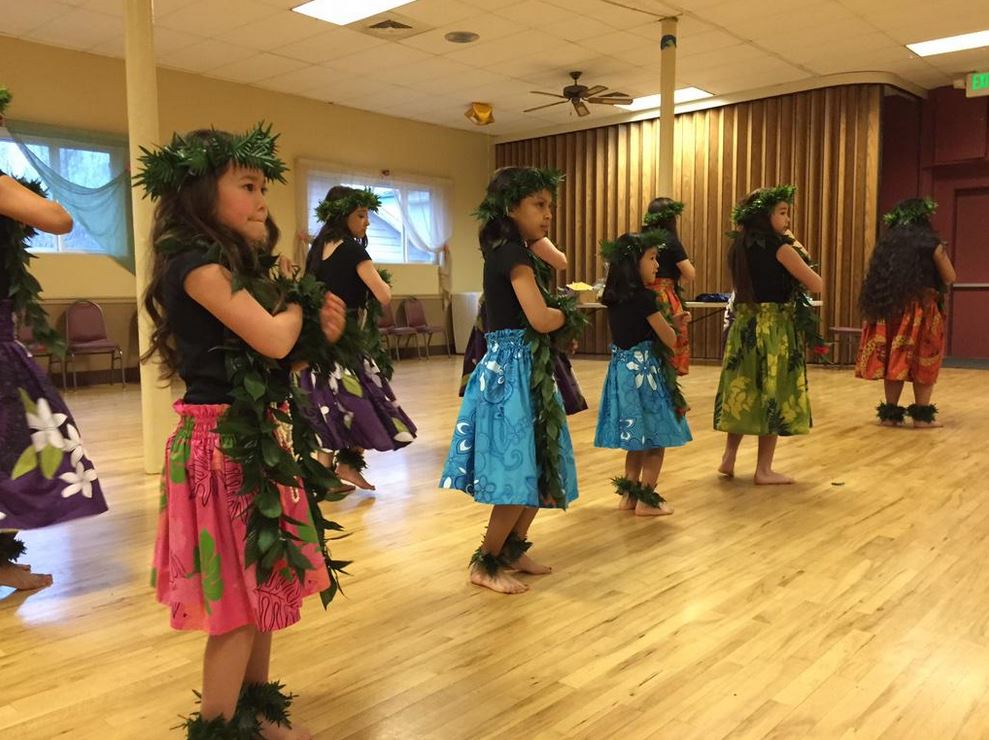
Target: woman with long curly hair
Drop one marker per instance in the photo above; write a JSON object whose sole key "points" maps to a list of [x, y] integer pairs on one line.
{"points": [[902, 307]]}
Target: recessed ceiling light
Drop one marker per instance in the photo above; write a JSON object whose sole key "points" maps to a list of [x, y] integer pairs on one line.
{"points": [[342, 12], [950, 43], [461, 37], [683, 95]]}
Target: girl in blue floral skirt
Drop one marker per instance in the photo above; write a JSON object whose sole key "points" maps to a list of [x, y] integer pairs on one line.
{"points": [[511, 447], [641, 409]]}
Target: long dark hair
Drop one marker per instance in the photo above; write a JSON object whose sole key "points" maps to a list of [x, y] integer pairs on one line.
{"points": [[188, 216], [334, 229], [755, 229], [901, 267], [624, 279], [656, 205], [501, 229]]}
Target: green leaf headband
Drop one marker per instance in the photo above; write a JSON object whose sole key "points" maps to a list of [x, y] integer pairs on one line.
{"points": [[166, 169], [633, 245], [5, 98], [918, 211], [364, 198], [522, 184], [763, 202], [668, 212]]}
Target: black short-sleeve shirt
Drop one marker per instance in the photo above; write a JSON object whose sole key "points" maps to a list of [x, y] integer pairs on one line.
{"points": [[502, 307], [199, 335], [338, 272], [668, 258], [628, 320], [771, 281]]}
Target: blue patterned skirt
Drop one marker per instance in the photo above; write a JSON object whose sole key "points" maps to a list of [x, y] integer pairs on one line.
{"points": [[493, 452], [636, 412]]}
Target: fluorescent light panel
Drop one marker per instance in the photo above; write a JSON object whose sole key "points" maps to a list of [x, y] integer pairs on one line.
{"points": [[683, 95], [342, 12], [950, 43]]}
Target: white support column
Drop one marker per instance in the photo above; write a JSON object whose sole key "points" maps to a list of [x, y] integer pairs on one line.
{"points": [[667, 88], [142, 129]]}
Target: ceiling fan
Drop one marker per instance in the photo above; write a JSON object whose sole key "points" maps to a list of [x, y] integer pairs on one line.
{"points": [[579, 95]]}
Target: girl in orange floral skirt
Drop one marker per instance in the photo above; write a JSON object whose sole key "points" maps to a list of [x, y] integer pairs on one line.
{"points": [[902, 305], [674, 268]]}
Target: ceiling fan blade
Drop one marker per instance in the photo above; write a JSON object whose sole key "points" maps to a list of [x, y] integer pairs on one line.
{"points": [[552, 95], [596, 90], [609, 100], [582, 110], [548, 105]]}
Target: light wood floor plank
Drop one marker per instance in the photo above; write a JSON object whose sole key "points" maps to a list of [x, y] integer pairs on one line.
{"points": [[853, 604]]}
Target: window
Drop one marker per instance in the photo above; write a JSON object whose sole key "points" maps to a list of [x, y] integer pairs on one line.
{"points": [[393, 237], [88, 164]]}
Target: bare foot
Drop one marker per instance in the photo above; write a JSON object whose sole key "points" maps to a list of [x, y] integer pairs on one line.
{"points": [[525, 564], [890, 423], [21, 578], [347, 473], [345, 488], [927, 425], [727, 468], [271, 731], [627, 503], [500, 581], [772, 478], [643, 509]]}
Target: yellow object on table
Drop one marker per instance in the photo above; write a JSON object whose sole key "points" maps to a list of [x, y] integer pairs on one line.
{"points": [[585, 293]]}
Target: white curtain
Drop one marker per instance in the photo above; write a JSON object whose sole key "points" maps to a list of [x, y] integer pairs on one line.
{"points": [[426, 215]]}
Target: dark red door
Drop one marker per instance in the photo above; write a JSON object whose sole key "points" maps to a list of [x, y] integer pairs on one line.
{"points": [[969, 250]]}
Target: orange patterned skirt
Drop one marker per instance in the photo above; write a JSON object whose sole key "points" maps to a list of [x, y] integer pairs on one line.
{"points": [[908, 347], [666, 292]]}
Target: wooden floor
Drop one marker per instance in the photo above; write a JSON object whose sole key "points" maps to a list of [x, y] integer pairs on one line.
{"points": [[853, 604]]}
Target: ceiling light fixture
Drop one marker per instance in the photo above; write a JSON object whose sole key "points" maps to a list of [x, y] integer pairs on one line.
{"points": [[480, 114], [949, 44], [683, 95], [343, 12]]}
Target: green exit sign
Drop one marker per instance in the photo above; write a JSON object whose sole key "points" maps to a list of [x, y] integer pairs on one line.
{"points": [[977, 84]]}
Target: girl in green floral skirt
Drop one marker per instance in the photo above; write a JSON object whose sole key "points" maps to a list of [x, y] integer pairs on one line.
{"points": [[763, 386]]}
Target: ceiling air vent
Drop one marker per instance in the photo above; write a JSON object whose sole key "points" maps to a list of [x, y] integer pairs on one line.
{"points": [[391, 26]]}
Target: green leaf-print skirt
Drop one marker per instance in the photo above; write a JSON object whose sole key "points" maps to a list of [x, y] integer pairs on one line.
{"points": [[763, 386]]}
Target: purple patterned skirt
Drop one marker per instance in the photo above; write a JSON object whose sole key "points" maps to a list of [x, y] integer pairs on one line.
{"points": [[566, 381], [45, 475], [356, 408]]}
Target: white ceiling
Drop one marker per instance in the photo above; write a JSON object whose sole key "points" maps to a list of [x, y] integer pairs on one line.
{"points": [[725, 46]]}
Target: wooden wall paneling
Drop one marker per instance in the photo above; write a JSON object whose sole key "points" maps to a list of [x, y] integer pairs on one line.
{"points": [[826, 142]]}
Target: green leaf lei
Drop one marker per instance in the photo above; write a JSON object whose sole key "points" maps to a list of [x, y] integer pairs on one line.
{"points": [[919, 211], [807, 321], [24, 287], [550, 418], [375, 345], [763, 202], [670, 378], [633, 244], [166, 169], [673, 210], [524, 183], [5, 98], [363, 198]]}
